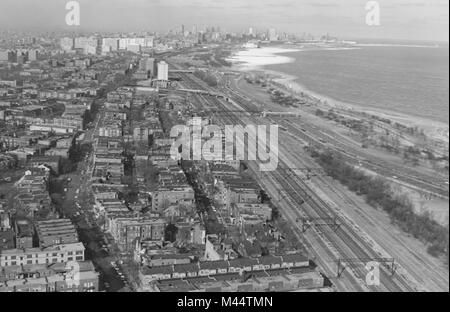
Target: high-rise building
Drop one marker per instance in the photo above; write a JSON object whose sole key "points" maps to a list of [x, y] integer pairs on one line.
{"points": [[88, 49], [106, 49], [67, 44], [135, 48], [143, 64], [123, 42], [80, 42], [4, 56], [33, 55], [8, 56], [149, 42], [151, 66], [163, 71], [112, 44], [147, 64], [273, 34], [89, 45], [135, 44]]}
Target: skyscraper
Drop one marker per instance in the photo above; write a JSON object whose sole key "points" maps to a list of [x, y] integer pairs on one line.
{"points": [[273, 34], [163, 71]]}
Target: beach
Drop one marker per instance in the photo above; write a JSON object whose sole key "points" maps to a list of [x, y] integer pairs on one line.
{"points": [[259, 59], [256, 59]]}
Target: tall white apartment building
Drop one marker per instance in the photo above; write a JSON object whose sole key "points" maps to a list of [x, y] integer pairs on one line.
{"points": [[112, 44], [163, 71]]}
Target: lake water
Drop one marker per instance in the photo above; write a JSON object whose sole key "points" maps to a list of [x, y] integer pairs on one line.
{"points": [[411, 80]]}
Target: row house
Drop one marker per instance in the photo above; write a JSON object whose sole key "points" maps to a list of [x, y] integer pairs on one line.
{"points": [[59, 277], [53, 254], [126, 230], [233, 191], [222, 267], [165, 197]]}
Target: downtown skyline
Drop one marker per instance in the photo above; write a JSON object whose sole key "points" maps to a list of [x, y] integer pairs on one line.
{"points": [[419, 20]]}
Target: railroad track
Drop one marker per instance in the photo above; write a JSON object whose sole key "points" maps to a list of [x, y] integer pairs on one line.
{"points": [[345, 243], [433, 185], [345, 236], [353, 157]]}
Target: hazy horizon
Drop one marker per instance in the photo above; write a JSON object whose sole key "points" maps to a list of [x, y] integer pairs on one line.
{"points": [[423, 20]]}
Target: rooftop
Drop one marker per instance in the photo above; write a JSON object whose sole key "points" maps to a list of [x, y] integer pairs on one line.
{"points": [[60, 248]]}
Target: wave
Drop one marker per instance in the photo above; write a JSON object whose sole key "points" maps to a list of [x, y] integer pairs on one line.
{"points": [[396, 45], [259, 57]]}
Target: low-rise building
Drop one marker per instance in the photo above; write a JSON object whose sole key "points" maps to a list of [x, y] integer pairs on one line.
{"points": [[264, 211], [126, 230], [295, 265], [53, 254], [233, 191], [24, 230], [76, 276], [173, 190], [56, 232]]}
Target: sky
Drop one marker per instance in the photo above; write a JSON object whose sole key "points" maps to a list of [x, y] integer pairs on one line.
{"points": [[399, 19]]}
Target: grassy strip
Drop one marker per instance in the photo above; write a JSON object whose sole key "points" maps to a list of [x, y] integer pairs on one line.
{"points": [[206, 77], [378, 193]]}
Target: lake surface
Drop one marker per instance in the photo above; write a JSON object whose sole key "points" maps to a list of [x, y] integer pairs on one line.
{"points": [[411, 80]]}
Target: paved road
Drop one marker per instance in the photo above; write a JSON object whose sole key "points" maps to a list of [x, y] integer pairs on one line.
{"points": [[78, 206]]}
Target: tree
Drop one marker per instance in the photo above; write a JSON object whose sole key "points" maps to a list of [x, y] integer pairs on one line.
{"points": [[170, 233], [379, 194], [264, 197], [275, 214], [320, 113], [66, 166], [87, 118]]}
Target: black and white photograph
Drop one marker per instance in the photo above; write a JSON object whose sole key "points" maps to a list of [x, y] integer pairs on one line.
{"points": [[211, 149]]}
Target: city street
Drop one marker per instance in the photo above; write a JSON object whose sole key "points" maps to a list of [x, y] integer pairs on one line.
{"points": [[78, 206]]}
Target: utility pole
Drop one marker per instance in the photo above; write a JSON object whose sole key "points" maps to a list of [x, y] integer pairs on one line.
{"points": [[388, 262], [307, 223]]}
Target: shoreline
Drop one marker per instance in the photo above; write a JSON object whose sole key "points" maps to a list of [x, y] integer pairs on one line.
{"points": [[436, 130], [244, 61]]}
